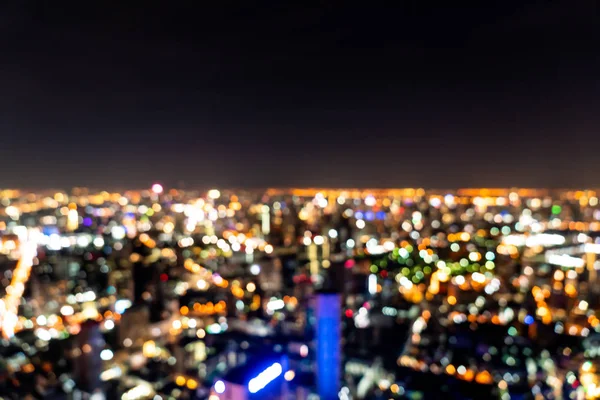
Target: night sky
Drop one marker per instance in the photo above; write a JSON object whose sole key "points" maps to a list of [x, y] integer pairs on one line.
{"points": [[230, 94]]}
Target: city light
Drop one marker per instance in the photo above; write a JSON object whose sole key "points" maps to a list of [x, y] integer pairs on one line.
{"points": [[220, 387], [157, 188], [264, 378]]}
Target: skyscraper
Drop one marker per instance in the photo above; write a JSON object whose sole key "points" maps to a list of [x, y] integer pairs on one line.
{"points": [[328, 308]]}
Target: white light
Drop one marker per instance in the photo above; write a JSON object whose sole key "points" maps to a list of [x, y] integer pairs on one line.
{"points": [[88, 296], [83, 241], [114, 372], [122, 305], [109, 324], [98, 242], [255, 269], [478, 277], [264, 378], [276, 304], [43, 334], [360, 224], [106, 354], [542, 239], [319, 240], [41, 320], [350, 243], [565, 260], [592, 248], [118, 232], [372, 284], [66, 310], [214, 194], [157, 188], [202, 284], [332, 234], [220, 387], [304, 350]]}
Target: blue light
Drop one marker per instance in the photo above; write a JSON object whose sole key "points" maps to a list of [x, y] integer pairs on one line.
{"points": [[380, 215], [220, 387], [358, 215], [328, 345], [265, 377], [528, 320], [370, 215]]}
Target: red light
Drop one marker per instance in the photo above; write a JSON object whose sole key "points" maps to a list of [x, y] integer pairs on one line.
{"points": [[164, 277], [349, 263], [384, 274], [349, 313]]}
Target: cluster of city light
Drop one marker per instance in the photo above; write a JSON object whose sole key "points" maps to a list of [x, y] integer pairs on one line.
{"points": [[9, 305], [469, 265]]}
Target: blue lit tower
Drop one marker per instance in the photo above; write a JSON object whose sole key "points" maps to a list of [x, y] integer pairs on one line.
{"points": [[328, 310]]}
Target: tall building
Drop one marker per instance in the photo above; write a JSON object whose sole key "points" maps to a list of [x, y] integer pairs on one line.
{"points": [[328, 313], [89, 364]]}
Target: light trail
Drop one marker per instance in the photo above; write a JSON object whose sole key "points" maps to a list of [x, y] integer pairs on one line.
{"points": [[9, 305]]}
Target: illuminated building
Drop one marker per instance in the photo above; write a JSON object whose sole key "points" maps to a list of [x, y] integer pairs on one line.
{"points": [[328, 330]]}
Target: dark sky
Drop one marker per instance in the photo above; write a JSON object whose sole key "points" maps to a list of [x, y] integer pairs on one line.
{"points": [[334, 93]]}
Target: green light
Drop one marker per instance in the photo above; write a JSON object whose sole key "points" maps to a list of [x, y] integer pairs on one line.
{"points": [[556, 209], [512, 331]]}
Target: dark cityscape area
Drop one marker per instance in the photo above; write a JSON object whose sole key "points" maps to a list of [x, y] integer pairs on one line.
{"points": [[332, 200]]}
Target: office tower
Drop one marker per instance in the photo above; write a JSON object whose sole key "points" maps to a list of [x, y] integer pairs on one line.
{"points": [[89, 364], [328, 330]]}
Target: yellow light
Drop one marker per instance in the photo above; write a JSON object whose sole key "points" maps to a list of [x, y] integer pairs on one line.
{"points": [[484, 378], [289, 375], [192, 384], [184, 310], [149, 349], [180, 380], [451, 300], [559, 275]]}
